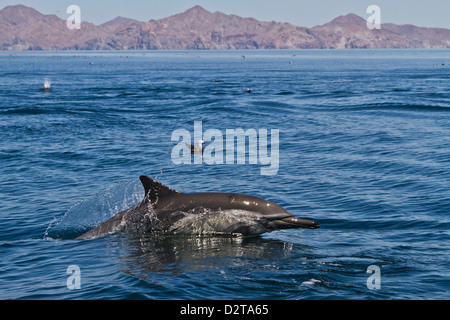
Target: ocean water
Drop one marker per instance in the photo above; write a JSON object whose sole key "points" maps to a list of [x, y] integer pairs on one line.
{"points": [[364, 149]]}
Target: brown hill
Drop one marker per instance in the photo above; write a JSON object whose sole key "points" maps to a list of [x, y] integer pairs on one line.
{"points": [[23, 28]]}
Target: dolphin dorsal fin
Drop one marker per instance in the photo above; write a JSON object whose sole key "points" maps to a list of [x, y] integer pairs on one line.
{"points": [[154, 189]]}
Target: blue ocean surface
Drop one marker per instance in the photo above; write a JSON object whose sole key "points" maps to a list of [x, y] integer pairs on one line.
{"points": [[364, 149]]}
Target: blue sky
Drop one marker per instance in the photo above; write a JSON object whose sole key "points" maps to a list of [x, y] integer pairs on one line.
{"points": [[307, 13]]}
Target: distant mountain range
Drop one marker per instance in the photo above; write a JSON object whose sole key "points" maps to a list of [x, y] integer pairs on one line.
{"points": [[24, 28]]}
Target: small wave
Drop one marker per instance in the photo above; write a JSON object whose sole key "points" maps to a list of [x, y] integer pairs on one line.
{"points": [[26, 111], [400, 90], [394, 107], [310, 282], [285, 93]]}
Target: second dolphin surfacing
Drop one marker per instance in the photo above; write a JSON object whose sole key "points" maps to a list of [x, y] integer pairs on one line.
{"points": [[167, 210]]}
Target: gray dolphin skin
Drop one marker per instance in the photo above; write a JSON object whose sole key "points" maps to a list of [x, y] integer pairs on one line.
{"points": [[167, 210]]}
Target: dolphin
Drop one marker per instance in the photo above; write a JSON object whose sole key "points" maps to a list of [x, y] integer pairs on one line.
{"points": [[170, 211]]}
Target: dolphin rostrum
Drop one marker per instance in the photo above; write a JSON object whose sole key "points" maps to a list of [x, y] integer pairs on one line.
{"points": [[167, 210]]}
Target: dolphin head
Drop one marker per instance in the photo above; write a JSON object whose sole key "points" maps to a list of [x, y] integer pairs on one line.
{"points": [[280, 218], [276, 216], [293, 222]]}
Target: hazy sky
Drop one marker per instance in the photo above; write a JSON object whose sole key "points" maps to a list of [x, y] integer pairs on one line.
{"points": [[306, 13]]}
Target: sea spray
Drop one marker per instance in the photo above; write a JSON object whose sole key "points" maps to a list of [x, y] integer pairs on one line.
{"points": [[47, 84], [93, 211]]}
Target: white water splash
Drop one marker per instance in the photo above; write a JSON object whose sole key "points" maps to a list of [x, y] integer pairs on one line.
{"points": [[203, 221], [93, 211], [47, 84]]}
